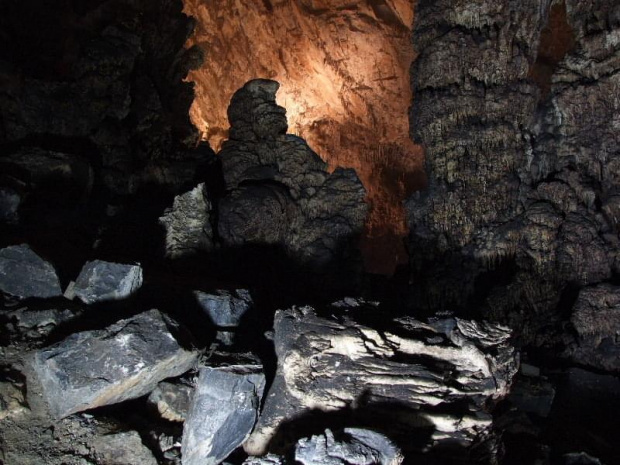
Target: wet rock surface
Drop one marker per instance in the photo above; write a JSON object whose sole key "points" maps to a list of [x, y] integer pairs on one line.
{"points": [[24, 274], [124, 361], [223, 411]]}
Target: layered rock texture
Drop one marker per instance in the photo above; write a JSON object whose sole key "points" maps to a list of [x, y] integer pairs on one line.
{"points": [[402, 373], [516, 106], [343, 67]]}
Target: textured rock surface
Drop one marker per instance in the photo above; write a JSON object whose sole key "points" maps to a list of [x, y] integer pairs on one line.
{"points": [[101, 281], [187, 224], [123, 361], [171, 400], [596, 318], [362, 447], [122, 449], [334, 363], [279, 191], [522, 183], [24, 274], [225, 308], [344, 71], [222, 414]]}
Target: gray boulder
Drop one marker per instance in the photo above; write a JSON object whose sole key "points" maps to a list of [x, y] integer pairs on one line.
{"points": [[222, 414], [225, 308], [187, 224], [339, 363], [102, 367], [359, 446], [24, 274], [101, 281], [122, 449], [171, 400]]}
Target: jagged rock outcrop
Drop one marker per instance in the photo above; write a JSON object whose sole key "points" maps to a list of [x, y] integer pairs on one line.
{"points": [[188, 224], [521, 202], [596, 319], [24, 274], [279, 192], [398, 371], [102, 367]]}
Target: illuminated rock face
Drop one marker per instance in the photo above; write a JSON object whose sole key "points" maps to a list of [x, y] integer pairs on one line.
{"points": [[343, 67]]}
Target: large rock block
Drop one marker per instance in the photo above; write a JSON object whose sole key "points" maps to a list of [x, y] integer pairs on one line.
{"points": [[225, 308], [397, 374], [222, 414], [102, 367], [24, 274], [101, 281]]}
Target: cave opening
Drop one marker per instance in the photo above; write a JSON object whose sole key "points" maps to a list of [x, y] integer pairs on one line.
{"points": [[344, 73]]}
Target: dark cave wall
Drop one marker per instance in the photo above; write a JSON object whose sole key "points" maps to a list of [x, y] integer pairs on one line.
{"points": [[520, 212], [99, 82]]}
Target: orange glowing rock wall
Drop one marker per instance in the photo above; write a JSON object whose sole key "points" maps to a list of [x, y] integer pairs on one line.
{"points": [[343, 66]]}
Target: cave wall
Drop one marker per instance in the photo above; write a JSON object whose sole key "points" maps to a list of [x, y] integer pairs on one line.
{"points": [[521, 143]]}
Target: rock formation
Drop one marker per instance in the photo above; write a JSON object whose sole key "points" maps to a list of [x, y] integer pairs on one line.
{"points": [[519, 209]]}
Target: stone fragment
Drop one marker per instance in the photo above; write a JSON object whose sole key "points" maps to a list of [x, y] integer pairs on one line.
{"points": [[580, 458], [10, 201], [269, 459], [224, 308], [187, 224], [36, 324], [222, 414], [24, 274], [101, 281], [358, 446], [122, 449], [12, 400], [395, 371], [102, 367], [171, 400]]}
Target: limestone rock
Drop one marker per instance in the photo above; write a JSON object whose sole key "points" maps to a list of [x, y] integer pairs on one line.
{"points": [[122, 449], [102, 367], [225, 308], [279, 191], [223, 412], [101, 281], [359, 446], [187, 224], [171, 400], [596, 319], [24, 274], [337, 363]]}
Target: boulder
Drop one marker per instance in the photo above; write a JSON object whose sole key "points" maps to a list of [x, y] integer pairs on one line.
{"points": [[102, 367], [359, 446], [122, 449], [171, 400], [187, 224], [225, 308], [395, 372], [24, 274], [101, 281], [223, 411]]}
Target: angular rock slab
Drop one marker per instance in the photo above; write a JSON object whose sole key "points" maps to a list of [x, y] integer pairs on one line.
{"points": [[124, 361], [361, 446], [225, 308], [329, 364], [101, 281], [223, 411], [24, 274]]}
